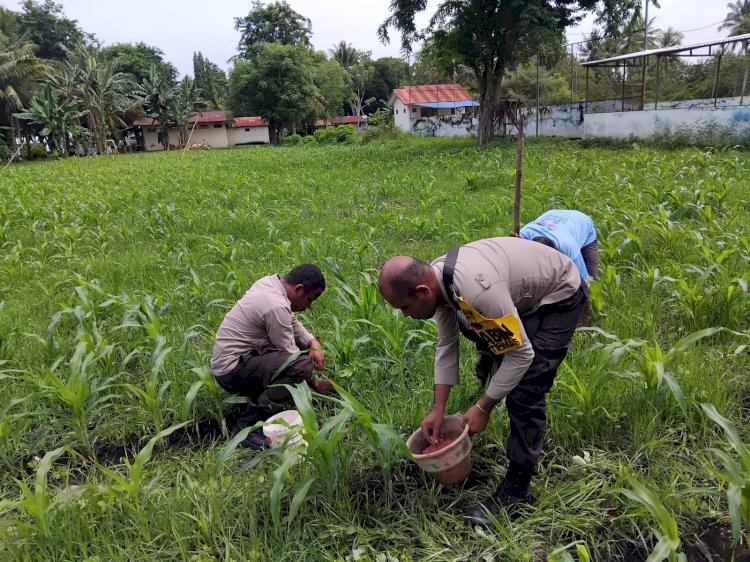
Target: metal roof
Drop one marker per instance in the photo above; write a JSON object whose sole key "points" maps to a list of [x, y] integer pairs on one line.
{"points": [[670, 50], [430, 93], [449, 104]]}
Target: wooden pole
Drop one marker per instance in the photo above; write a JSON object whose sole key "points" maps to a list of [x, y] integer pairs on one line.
{"points": [[519, 173]]}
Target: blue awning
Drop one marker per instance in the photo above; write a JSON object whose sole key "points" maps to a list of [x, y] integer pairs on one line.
{"points": [[449, 104]]}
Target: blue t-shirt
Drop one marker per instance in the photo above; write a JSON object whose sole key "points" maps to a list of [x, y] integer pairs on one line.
{"points": [[569, 230]]}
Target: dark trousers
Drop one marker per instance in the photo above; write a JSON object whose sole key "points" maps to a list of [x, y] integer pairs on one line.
{"points": [[550, 329], [254, 378]]}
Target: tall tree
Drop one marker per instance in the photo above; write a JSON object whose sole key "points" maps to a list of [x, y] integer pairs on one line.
{"points": [[331, 81], [55, 116], [492, 36], [210, 80], [158, 99], [20, 73], [187, 101], [277, 84], [388, 74], [105, 93], [137, 60], [275, 23], [46, 25], [345, 54]]}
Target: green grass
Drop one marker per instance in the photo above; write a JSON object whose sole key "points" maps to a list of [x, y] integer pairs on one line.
{"points": [[116, 272]]}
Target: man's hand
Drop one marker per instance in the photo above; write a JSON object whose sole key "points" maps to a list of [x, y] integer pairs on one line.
{"points": [[315, 351], [514, 234], [476, 419], [322, 386], [431, 425]]}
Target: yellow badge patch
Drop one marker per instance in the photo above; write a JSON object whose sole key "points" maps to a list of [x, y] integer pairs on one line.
{"points": [[500, 334]]}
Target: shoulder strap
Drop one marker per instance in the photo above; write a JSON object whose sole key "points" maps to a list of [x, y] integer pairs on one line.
{"points": [[449, 268]]}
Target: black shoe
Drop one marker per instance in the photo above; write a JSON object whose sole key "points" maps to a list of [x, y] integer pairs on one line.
{"points": [[512, 494], [256, 441]]}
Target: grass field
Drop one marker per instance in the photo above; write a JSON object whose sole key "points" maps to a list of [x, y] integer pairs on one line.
{"points": [[116, 272]]}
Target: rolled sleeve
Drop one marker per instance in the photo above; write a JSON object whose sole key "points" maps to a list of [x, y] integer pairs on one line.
{"points": [[279, 325], [447, 348]]}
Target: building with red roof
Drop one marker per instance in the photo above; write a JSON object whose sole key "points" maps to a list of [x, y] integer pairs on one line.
{"points": [[434, 109], [211, 128]]}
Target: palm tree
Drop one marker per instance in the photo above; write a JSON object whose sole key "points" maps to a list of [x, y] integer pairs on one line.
{"points": [[20, 73], [670, 38], [737, 21], [345, 54]]}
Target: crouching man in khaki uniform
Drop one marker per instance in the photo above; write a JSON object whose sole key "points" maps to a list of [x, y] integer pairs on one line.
{"points": [[517, 300], [259, 342]]}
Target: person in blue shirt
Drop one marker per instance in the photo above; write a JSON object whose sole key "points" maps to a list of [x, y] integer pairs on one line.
{"points": [[570, 232]]}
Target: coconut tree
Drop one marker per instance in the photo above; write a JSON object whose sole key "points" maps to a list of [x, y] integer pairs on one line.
{"points": [[345, 54], [737, 21]]}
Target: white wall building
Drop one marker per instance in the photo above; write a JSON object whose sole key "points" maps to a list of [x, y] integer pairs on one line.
{"points": [[209, 128], [440, 110]]}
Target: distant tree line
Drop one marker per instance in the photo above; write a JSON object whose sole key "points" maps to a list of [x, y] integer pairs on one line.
{"points": [[59, 84]]}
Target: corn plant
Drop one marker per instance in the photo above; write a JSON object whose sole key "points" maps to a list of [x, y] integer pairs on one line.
{"points": [[362, 302], [38, 502], [82, 391], [154, 390], [584, 399], [130, 489], [736, 474], [562, 554], [344, 349], [668, 545], [397, 337]]}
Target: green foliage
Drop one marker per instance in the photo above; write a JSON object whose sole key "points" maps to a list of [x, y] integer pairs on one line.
{"points": [[334, 135], [291, 140], [137, 59], [276, 84], [210, 80], [38, 150], [276, 22], [45, 25]]}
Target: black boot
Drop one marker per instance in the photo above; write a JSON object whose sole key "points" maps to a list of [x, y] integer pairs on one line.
{"points": [[511, 494], [255, 440]]}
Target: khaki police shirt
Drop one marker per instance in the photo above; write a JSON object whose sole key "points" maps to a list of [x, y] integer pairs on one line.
{"points": [[500, 276], [260, 322]]}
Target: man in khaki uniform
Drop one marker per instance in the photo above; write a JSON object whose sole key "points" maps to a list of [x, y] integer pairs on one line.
{"points": [[516, 299], [259, 346]]}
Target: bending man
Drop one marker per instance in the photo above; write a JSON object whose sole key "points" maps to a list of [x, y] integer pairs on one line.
{"points": [[570, 232], [520, 302], [258, 346]]}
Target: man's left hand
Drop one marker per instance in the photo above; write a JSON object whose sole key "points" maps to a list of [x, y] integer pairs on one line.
{"points": [[316, 354], [476, 419]]}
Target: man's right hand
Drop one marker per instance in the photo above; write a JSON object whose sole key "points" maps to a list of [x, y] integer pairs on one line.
{"points": [[431, 426], [322, 386]]}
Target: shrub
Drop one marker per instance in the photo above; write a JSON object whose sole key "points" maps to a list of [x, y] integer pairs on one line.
{"points": [[38, 150], [333, 135], [308, 140], [291, 140]]}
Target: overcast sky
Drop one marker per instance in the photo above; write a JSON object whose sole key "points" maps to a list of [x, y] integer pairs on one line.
{"points": [[180, 27]]}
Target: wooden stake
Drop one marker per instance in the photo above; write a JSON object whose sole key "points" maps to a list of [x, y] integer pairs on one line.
{"points": [[519, 174]]}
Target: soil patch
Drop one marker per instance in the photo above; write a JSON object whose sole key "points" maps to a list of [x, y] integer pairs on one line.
{"points": [[714, 544]]}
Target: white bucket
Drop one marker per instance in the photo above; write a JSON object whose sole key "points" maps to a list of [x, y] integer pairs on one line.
{"points": [[280, 434]]}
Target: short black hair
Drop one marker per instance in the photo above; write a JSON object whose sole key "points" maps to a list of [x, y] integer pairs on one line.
{"points": [[308, 275], [544, 240], [416, 273]]}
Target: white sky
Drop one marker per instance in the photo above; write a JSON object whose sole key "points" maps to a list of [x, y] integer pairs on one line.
{"points": [[180, 27]]}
